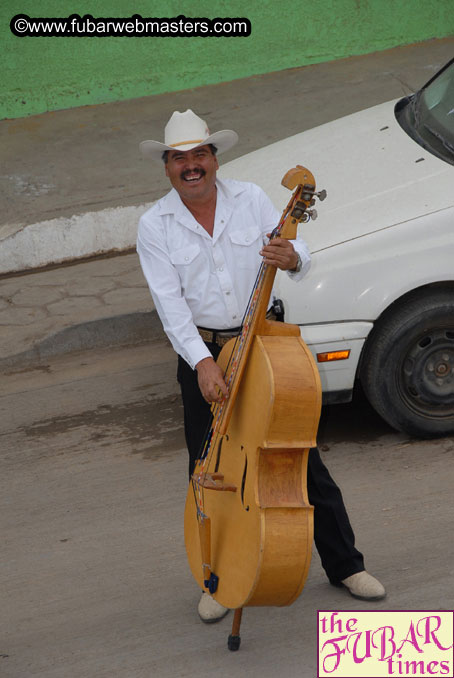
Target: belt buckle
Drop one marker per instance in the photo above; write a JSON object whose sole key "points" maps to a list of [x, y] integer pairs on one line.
{"points": [[215, 336], [206, 335], [221, 341]]}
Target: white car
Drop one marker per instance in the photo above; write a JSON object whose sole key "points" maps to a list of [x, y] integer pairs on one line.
{"points": [[378, 303]]}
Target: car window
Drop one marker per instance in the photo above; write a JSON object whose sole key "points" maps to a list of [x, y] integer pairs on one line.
{"points": [[428, 115]]}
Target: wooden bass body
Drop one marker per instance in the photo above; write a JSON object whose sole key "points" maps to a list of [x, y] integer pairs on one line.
{"points": [[262, 525]]}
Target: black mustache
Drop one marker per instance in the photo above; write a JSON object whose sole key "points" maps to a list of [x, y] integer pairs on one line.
{"points": [[184, 174]]}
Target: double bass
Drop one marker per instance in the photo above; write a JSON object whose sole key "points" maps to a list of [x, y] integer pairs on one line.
{"points": [[248, 522]]}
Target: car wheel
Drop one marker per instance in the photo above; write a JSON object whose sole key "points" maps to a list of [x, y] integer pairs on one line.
{"points": [[408, 366]]}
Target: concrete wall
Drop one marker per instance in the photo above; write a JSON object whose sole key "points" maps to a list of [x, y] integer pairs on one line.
{"points": [[48, 73]]}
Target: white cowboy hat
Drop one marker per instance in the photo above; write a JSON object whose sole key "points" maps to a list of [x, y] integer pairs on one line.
{"points": [[185, 131]]}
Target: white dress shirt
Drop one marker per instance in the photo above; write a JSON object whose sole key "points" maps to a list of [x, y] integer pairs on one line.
{"points": [[200, 280]]}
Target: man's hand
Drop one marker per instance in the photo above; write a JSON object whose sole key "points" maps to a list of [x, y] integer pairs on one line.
{"points": [[280, 253], [211, 381]]}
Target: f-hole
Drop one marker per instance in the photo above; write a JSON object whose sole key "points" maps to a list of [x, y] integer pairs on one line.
{"points": [[243, 480]]}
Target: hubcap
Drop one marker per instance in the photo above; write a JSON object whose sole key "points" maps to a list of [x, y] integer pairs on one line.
{"points": [[426, 381]]}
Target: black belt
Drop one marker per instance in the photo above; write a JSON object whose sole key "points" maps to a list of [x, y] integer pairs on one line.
{"points": [[219, 337]]}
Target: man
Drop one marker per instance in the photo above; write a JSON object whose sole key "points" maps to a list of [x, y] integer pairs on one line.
{"points": [[200, 248]]}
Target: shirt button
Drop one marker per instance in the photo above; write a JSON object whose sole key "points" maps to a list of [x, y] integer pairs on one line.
{"points": [[186, 258], [228, 292], [220, 268]]}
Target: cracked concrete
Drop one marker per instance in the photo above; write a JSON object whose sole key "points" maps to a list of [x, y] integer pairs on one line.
{"points": [[37, 308]]}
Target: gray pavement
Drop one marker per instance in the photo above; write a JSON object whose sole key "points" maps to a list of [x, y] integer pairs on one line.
{"points": [[68, 162], [94, 581], [92, 304]]}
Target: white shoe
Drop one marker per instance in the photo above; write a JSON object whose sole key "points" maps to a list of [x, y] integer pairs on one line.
{"points": [[210, 610], [364, 586]]}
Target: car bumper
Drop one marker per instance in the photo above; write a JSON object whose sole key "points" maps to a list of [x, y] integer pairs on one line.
{"points": [[337, 376]]}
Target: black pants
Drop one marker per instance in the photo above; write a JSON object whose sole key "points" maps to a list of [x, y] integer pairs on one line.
{"points": [[333, 534]]}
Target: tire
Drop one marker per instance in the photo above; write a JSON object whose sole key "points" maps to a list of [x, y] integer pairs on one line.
{"points": [[407, 369]]}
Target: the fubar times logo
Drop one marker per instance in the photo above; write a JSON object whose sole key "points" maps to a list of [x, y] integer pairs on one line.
{"points": [[374, 644]]}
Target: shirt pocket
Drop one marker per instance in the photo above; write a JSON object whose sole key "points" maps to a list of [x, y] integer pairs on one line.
{"points": [[185, 256], [246, 244], [190, 265]]}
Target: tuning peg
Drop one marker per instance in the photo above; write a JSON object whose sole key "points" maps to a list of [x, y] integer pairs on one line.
{"points": [[313, 214], [321, 195]]}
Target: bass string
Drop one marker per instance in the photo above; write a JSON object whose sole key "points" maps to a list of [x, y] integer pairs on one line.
{"points": [[212, 437], [237, 349], [236, 354], [213, 434]]}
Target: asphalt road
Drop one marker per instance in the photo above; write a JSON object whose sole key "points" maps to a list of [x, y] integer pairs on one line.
{"points": [[94, 580]]}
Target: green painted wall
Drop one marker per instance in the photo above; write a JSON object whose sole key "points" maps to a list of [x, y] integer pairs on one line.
{"points": [[48, 73]]}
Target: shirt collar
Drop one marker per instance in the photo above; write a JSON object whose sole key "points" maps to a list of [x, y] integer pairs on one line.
{"points": [[228, 190]]}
